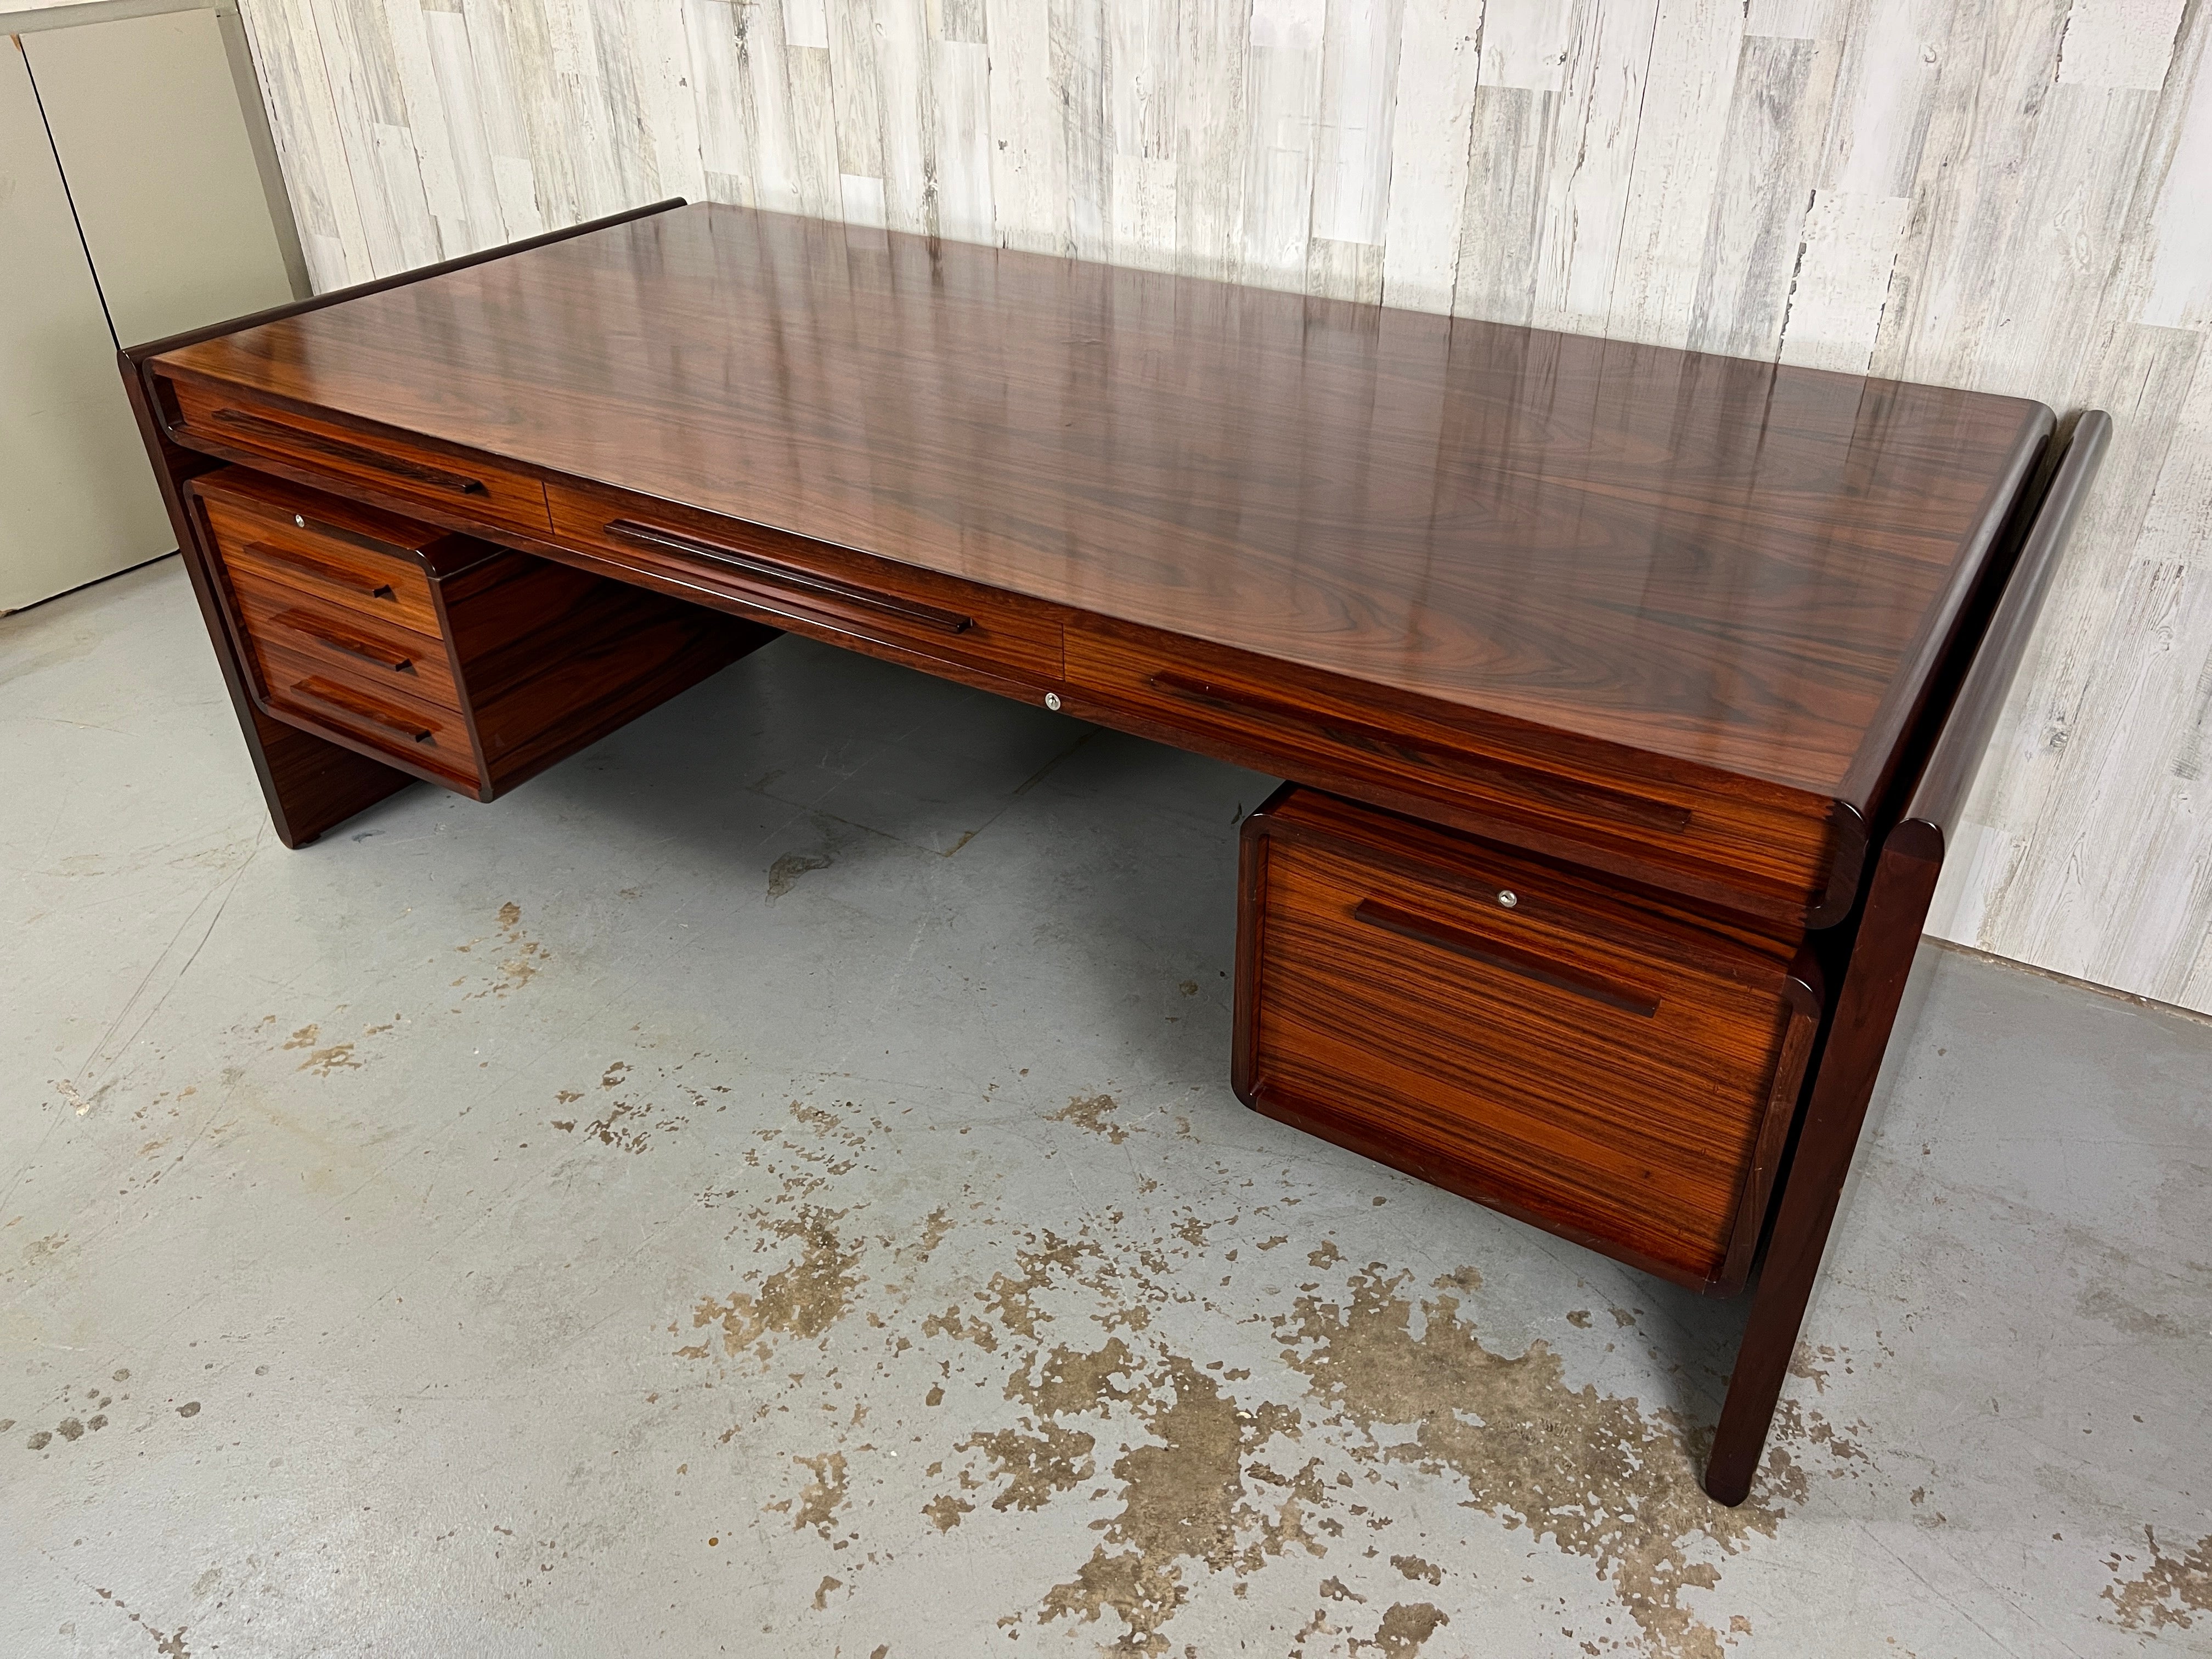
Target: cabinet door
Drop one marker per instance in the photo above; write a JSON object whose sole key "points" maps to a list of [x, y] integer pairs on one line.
{"points": [[145, 117], [77, 500]]}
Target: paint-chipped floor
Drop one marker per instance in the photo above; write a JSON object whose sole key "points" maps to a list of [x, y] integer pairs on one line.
{"points": [[770, 1186]]}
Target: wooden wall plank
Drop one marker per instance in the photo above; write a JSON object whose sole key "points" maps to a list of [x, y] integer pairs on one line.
{"points": [[852, 84], [1508, 159], [423, 115], [963, 140], [906, 97], [1028, 163], [1890, 65], [1143, 93], [1778, 113], [1679, 145], [1525, 44], [736, 141], [451, 59], [2119, 42], [2180, 231], [1845, 258], [535, 107], [1213, 138], [1284, 82], [2004, 194], [1078, 70], [288, 58], [1581, 226], [1352, 134], [1431, 133]]}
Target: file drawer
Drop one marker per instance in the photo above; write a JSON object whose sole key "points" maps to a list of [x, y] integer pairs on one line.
{"points": [[1621, 1074]]}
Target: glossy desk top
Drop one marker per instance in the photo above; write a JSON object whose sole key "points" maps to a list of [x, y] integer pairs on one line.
{"points": [[1722, 561]]}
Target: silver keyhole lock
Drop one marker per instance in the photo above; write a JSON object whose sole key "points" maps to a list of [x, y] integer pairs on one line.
{"points": [[300, 521], [1508, 897], [1052, 700]]}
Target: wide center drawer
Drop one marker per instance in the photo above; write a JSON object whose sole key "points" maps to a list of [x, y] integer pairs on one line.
{"points": [[1617, 1074], [981, 635], [1786, 859]]}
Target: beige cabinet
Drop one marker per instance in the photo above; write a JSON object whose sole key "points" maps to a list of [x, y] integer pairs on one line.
{"points": [[134, 203]]}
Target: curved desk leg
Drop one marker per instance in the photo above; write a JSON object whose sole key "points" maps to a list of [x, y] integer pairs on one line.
{"points": [[1874, 986]]}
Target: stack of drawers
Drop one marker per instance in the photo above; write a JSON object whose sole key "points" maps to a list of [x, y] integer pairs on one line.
{"points": [[466, 664]]}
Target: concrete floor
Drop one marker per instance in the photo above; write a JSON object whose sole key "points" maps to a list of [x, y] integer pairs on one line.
{"points": [[771, 1187]]}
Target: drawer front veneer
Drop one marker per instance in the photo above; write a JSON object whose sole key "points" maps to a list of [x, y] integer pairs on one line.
{"points": [[461, 485], [330, 694], [409, 663], [1769, 854], [336, 612], [286, 551], [833, 593], [1621, 1075]]}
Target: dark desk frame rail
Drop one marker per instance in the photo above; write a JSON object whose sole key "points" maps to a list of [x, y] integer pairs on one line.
{"points": [[312, 785], [1891, 912]]}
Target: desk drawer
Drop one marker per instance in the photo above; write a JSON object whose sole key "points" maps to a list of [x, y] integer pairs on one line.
{"points": [[325, 691], [1506, 1028], [287, 550], [465, 484], [833, 593], [1759, 857], [408, 663]]}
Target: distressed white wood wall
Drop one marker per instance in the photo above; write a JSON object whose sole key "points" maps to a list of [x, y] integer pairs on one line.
{"points": [[2011, 195]]}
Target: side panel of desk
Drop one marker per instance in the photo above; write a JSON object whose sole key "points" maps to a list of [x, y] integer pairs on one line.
{"points": [[310, 784], [1884, 934]]}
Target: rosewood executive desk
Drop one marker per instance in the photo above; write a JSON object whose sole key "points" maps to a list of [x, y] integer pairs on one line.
{"points": [[1628, 696]]}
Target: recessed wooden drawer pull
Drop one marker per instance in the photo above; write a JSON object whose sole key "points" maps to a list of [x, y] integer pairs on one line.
{"points": [[317, 689], [1497, 954], [315, 628], [1565, 795], [790, 576], [323, 570], [269, 431]]}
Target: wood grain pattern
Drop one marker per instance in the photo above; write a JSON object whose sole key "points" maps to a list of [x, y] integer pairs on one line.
{"points": [[2004, 196], [309, 783], [416, 664], [1743, 571], [456, 661], [1789, 858], [1594, 1055], [262, 543], [834, 593], [557, 659], [1619, 1074], [331, 698], [392, 465]]}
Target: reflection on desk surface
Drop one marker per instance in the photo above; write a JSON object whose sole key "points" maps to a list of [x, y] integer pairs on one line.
{"points": [[1722, 561]]}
